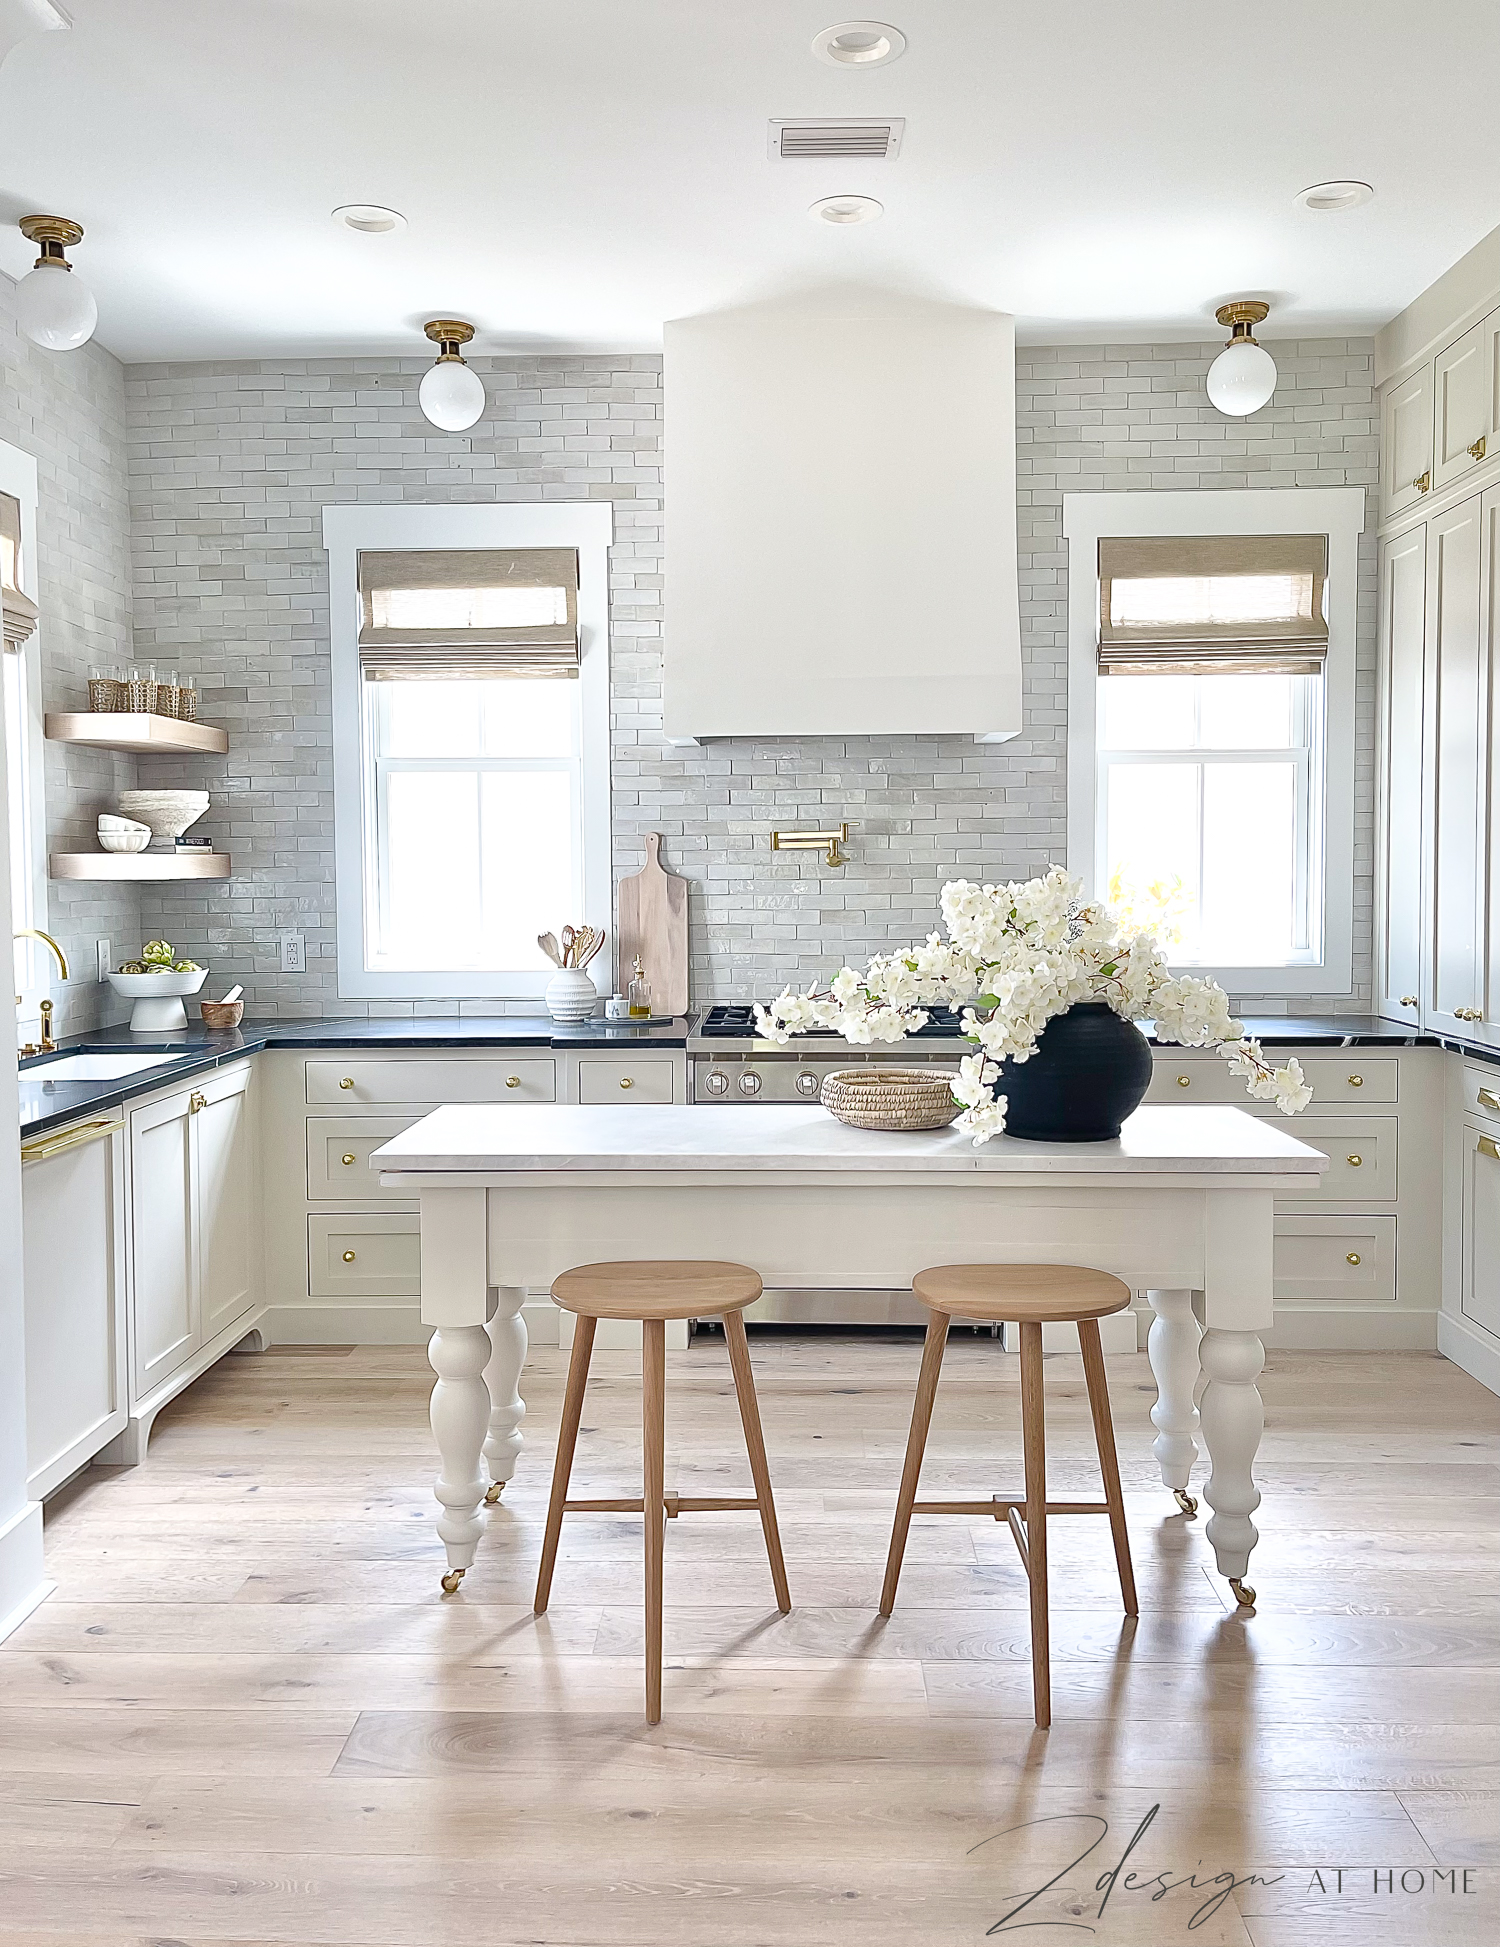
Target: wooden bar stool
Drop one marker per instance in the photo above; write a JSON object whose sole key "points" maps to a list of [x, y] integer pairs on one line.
{"points": [[653, 1291], [1033, 1295]]}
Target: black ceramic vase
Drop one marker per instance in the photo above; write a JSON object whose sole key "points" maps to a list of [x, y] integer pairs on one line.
{"points": [[1089, 1072]]}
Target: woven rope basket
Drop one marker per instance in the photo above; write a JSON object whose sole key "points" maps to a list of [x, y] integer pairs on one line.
{"points": [[891, 1098]]}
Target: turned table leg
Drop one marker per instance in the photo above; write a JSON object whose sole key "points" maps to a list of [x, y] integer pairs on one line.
{"points": [[1172, 1345], [457, 1303], [1239, 1237], [502, 1376]]}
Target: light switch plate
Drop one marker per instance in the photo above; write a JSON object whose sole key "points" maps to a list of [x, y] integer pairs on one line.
{"points": [[105, 957], [293, 953]]}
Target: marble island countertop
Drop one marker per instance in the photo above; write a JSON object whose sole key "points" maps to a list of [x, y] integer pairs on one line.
{"points": [[484, 1139]]}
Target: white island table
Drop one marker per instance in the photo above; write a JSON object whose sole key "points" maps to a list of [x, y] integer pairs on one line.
{"points": [[510, 1197]]}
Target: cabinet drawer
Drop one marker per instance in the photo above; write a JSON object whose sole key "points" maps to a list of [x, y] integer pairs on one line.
{"points": [[1179, 1076], [1481, 1089], [338, 1157], [1349, 1258], [1361, 1159], [625, 1081], [369, 1255], [454, 1078]]}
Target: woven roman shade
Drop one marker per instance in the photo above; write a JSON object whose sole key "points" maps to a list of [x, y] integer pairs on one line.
{"points": [[20, 612], [456, 614], [1203, 604]]}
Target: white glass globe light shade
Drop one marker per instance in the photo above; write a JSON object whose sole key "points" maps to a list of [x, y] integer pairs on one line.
{"points": [[1242, 378], [54, 309], [451, 395]]}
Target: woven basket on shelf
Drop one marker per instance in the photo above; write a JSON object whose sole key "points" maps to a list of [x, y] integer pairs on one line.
{"points": [[891, 1098]]}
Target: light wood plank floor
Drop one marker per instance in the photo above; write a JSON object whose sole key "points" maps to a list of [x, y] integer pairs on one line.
{"points": [[247, 1715]]}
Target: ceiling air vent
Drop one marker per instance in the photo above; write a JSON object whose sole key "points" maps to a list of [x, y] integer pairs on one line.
{"points": [[792, 141]]}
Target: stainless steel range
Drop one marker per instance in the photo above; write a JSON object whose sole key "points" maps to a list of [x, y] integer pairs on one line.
{"points": [[730, 1063]]}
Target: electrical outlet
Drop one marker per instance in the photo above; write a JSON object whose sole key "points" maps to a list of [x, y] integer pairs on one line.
{"points": [[105, 957], [293, 953]]}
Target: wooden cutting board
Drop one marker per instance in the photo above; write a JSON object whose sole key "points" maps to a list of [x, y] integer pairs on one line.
{"points": [[654, 924]]}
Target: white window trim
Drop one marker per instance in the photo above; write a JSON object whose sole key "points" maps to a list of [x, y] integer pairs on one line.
{"points": [[346, 530], [18, 478], [1338, 512]]}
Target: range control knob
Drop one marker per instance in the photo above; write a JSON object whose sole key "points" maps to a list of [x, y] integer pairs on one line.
{"points": [[716, 1082], [807, 1082], [749, 1083]]}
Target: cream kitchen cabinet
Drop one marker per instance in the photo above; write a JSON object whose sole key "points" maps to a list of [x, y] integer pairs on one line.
{"points": [[73, 1235], [1466, 403], [1399, 890], [1406, 444], [194, 1245]]}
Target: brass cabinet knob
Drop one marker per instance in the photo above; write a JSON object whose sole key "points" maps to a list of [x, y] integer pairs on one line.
{"points": [[196, 1101], [1356, 1081], [1488, 1099], [1408, 1000], [1476, 451], [1184, 1081], [348, 1257], [1354, 1162], [1468, 1014], [347, 1161], [627, 1081], [512, 1081], [1423, 481], [347, 1082], [1351, 1257]]}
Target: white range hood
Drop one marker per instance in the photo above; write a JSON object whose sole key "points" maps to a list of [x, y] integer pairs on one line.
{"points": [[839, 480]]}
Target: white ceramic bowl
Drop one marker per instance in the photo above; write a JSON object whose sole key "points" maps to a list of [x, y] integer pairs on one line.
{"points": [[123, 841], [167, 813], [108, 822], [158, 998]]}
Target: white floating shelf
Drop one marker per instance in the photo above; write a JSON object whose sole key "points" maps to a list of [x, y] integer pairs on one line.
{"points": [[127, 730], [140, 865]]}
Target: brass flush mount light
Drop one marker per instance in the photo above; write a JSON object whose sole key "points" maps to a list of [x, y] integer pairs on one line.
{"points": [[451, 395], [55, 309], [1243, 377]]}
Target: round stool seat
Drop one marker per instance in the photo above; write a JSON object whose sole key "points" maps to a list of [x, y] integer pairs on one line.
{"points": [[1031, 1294], [645, 1288]]}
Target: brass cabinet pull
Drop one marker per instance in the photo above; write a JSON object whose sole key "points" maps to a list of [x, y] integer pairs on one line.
{"points": [[196, 1101], [1184, 1081], [1487, 1146], [627, 1081], [1351, 1257], [1423, 481], [347, 1082], [348, 1257], [74, 1138], [1476, 451], [1408, 1000], [512, 1081], [1468, 1014], [1356, 1081], [347, 1161], [1488, 1099], [1354, 1162]]}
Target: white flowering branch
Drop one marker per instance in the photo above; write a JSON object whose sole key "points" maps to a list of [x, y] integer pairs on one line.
{"points": [[1016, 957]]}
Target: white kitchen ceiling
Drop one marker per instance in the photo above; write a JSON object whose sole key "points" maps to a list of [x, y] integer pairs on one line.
{"points": [[574, 172]]}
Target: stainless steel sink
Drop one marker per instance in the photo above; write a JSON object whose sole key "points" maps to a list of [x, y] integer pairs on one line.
{"points": [[96, 1068]]}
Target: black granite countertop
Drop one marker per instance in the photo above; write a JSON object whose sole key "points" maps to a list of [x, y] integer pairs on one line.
{"points": [[195, 1049]]}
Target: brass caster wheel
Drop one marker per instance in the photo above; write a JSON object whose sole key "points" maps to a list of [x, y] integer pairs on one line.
{"points": [[1187, 1502], [1244, 1595], [452, 1579], [492, 1493]]}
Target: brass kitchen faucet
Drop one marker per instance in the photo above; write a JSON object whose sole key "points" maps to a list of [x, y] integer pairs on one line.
{"points": [[46, 1044]]}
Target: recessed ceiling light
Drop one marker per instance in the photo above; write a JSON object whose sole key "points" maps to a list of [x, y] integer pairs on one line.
{"points": [[1334, 196], [846, 209], [860, 44], [369, 219]]}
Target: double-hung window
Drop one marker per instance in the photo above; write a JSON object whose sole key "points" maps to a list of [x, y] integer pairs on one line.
{"points": [[1211, 667], [471, 761]]}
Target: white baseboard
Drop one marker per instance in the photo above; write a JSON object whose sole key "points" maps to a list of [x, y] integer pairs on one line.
{"points": [[23, 1579], [383, 1324], [1470, 1348], [1336, 1328]]}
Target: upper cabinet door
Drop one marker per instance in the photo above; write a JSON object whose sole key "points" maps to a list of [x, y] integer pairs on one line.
{"points": [[1406, 443], [1403, 612], [1489, 633], [1458, 795], [1463, 396], [224, 1135]]}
